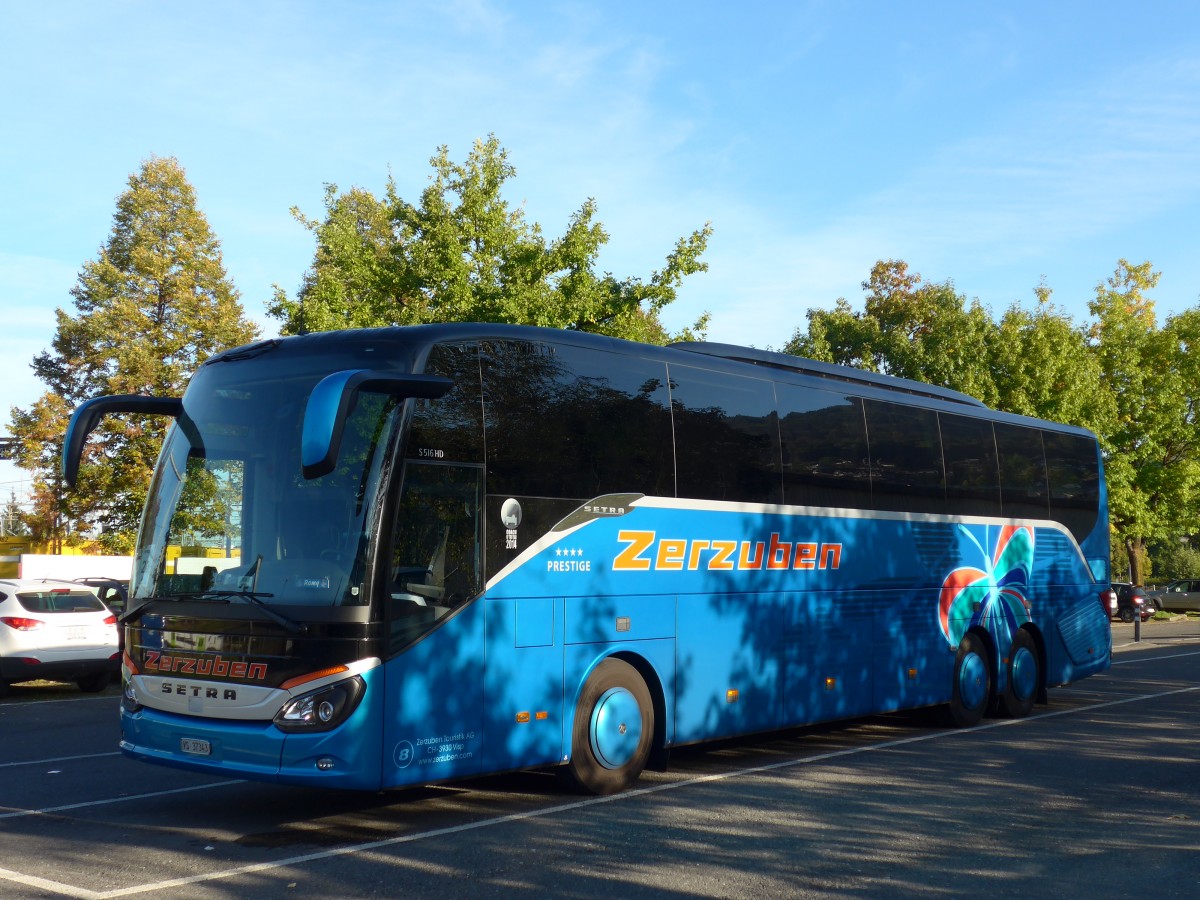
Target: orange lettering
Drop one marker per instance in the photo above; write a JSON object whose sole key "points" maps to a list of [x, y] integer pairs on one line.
{"points": [[744, 560], [806, 556], [779, 556], [720, 560], [832, 558], [630, 559], [670, 554]]}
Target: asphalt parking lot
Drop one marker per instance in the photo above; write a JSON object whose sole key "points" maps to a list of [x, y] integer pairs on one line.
{"points": [[1092, 795]]}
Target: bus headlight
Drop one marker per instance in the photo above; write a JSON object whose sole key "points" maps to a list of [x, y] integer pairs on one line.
{"points": [[323, 709], [129, 700]]}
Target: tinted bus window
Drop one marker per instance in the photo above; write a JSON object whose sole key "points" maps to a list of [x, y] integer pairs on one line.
{"points": [[824, 449], [906, 458], [450, 428], [726, 437], [1022, 472], [575, 423], [1074, 473], [972, 472]]}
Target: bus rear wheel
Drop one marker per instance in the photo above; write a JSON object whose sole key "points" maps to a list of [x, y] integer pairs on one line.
{"points": [[613, 730], [972, 688], [1024, 671]]}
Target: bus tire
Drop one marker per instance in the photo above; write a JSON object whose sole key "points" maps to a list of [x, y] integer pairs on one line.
{"points": [[613, 730], [972, 687], [1024, 671]]}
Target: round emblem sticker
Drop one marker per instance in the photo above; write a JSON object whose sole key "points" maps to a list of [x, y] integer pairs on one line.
{"points": [[510, 513]]}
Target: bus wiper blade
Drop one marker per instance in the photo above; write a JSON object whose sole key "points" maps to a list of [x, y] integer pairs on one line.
{"points": [[254, 598], [132, 615]]}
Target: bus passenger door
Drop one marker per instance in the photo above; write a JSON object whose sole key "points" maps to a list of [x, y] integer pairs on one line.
{"points": [[433, 719]]}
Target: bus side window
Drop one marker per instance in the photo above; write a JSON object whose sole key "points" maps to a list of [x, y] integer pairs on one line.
{"points": [[1024, 491], [907, 472], [1074, 473], [824, 448], [573, 423], [435, 560], [972, 473], [726, 436]]}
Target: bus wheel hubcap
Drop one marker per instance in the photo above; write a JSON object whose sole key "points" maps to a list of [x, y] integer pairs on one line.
{"points": [[1024, 673], [972, 681], [616, 728]]}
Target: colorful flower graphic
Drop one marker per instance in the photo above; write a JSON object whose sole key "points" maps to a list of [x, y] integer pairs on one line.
{"points": [[995, 596]]}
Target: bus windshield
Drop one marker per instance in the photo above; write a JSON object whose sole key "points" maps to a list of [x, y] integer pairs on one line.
{"points": [[229, 510]]}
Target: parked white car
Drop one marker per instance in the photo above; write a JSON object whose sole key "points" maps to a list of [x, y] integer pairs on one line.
{"points": [[58, 631]]}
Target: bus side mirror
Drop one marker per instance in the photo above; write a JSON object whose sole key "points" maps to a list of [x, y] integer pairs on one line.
{"points": [[332, 401], [89, 413]]}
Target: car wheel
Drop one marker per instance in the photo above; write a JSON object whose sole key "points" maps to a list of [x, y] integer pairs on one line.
{"points": [[93, 684], [613, 731], [972, 687]]}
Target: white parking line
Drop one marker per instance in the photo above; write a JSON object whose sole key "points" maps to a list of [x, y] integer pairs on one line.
{"points": [[1125, 662], [56, 759], [85, 894], [18, 813]]}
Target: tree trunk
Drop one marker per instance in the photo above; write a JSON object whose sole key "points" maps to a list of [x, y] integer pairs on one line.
{"points": [[1135, 548]]}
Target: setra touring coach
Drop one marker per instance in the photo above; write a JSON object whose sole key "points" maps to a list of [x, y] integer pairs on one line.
{"points": [[397, 556]]}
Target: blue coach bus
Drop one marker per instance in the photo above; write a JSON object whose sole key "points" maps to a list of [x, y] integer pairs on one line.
{"points": [[398, 556]]}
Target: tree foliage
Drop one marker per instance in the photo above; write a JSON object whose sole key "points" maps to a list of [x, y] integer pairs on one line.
{"points": [[462, 253], [908, 328], [1152, 376], [152, 306]]}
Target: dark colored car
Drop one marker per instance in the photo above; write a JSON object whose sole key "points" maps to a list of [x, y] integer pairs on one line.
{"points": [[113, 591], [1132, 602]]}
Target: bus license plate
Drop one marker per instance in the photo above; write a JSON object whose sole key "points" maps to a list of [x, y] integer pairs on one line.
{"points": [[195, 746]]}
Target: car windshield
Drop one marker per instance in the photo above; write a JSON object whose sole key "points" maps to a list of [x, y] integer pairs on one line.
{"points": [[230, 514]]}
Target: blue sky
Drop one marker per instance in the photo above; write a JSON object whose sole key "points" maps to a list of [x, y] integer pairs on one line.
{"points": [[991, 144]]}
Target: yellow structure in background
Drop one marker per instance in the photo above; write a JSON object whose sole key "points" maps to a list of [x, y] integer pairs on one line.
{"points": [[11, 549], [175, 552]]}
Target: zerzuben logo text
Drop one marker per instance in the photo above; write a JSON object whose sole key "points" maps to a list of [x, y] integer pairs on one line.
{"points": [[215, 666], [645, 551]]}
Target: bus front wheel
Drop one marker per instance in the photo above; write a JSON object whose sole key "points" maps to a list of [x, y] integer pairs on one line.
{"points": [[972, 688], [613, 730]]}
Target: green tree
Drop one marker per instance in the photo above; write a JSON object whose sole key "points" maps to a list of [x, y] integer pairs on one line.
{"points": [[154, 305], [13, 518], [1153, 377], [1174, 558], [463, 254], [909, 328], [1042, 366]]}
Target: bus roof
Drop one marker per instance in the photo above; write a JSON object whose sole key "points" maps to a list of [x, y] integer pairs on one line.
{"points": [[828, 371]]}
